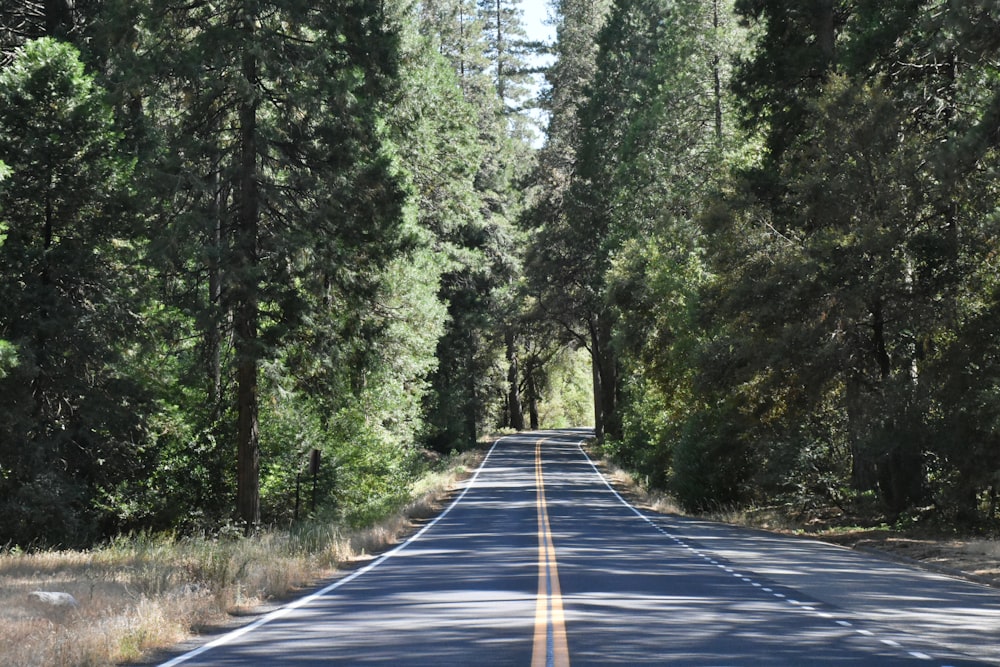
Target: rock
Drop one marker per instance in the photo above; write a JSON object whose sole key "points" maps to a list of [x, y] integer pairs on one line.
{"points": [[52, 599]]}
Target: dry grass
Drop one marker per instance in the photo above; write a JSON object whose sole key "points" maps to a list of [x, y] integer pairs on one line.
{"points": [[144, 593], [663, 503], [638, 493], [975, 558]]}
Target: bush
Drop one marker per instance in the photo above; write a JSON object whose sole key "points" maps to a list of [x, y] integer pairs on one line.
{"points": [[713, 463]]}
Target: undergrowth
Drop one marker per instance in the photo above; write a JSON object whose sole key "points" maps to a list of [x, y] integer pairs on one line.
{"points": [[143, 592]]}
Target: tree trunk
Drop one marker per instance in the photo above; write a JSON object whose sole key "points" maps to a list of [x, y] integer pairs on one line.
{"points": [[825, 31], [248, 435], [472, 408], [952, 229], [595, 367], [246, 311], [607, 368], [863, 474], [58, 18], [461, 47], [532, 390], [213, 330], [717, 75], [39, 386], [516, 411], [878, 341], [501, 88], [612, 395]]}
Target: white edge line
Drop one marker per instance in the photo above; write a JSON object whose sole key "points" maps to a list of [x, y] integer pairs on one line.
{"points": [[278, 613], [617, 495]]}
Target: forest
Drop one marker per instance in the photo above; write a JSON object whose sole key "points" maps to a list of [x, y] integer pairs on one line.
{"points": [[251, 245]]}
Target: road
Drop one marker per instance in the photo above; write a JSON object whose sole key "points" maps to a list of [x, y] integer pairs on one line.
{"points": [[540, 562]]}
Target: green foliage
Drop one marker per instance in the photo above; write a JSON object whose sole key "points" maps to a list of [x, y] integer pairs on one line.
{"points": [[792, 300], [71, 421], [466, 153], [840, 269], [758, 251], [375, 473], [8, 358], [567, 394], [714, 461]]}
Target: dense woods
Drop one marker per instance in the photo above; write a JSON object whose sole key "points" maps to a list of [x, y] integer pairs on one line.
{"points": [[777, 230], [756, 249]]}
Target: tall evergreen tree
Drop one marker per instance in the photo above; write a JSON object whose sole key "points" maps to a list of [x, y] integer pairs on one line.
{"points": [[845, 262], [508, 51], [557, 268], [72, 420], [468, 384], [297, 169], [620, 188]]}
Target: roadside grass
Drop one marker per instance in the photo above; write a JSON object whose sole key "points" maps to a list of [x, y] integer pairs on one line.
{"points": [[630, 486], [942, 547], [641, 495], [142, 593]]}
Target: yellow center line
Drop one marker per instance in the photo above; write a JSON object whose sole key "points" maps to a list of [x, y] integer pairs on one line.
{"points": [[550, 648]]}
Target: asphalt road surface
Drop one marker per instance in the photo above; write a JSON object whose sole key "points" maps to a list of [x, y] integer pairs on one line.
{"points": [[540, 562]]}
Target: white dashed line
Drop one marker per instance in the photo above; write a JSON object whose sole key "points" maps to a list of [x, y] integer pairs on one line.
{"points": [[798, 605]]}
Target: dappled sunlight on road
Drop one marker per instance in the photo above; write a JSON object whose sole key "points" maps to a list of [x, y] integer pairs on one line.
{"points": [[955, 613], [633, 588], [747, 593]]}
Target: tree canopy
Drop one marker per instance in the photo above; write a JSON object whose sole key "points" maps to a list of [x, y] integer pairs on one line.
{"points": [[756, 251]]}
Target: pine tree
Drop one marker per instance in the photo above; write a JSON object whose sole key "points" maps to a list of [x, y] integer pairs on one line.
{"points": [[845, 262], [468, 385], [67, 302], [295, 173], [507, 51], [619, 185], [557, 265]]}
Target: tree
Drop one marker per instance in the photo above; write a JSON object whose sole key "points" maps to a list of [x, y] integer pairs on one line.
{"points": [[298, 171], [841, 267], [508, 51], [468, 394], [23, 20], [649, 134], [458, 30], [557, 265], [796, 49], [72, 419]]}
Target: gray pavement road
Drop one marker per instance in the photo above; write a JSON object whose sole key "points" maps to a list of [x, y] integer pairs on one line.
{"points": [[540, 562]]}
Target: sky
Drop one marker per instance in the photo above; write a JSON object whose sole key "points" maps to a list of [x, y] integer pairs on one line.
{"points": [[535, 18], [536, 13]]}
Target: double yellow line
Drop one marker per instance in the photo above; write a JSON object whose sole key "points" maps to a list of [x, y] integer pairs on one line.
{"points": [[550, 648]]}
